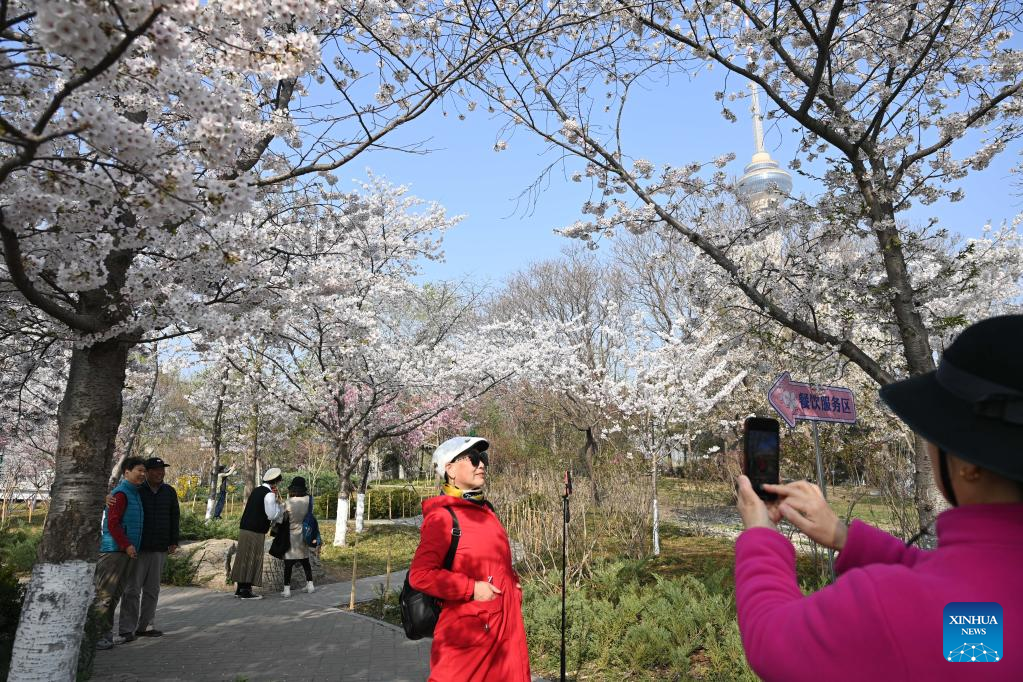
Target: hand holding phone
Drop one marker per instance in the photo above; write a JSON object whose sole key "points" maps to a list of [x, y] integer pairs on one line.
{"points": [[761, 453]]}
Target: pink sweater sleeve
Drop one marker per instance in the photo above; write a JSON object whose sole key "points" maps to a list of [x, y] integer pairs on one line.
{"points": [[833, 634], [867, 545]]}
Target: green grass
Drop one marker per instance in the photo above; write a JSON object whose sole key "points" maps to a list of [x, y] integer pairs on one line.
{"points": [[681, 493], [869, 508], [371, 547], [383, 607]]}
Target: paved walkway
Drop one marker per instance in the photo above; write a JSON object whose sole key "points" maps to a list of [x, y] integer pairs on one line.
{"points": [[213, 636]]}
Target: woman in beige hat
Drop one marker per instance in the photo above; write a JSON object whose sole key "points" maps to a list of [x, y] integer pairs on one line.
{"points": [[261, 510]]}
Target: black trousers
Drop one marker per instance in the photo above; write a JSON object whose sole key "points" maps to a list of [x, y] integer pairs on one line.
{"points": [[290, 563]]}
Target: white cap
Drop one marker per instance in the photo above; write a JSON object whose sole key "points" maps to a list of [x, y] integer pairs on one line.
{"points": [[452, 448], [272, 474]]}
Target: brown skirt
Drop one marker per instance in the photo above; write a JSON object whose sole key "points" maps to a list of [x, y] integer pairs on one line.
{"points": [[248, 562]]}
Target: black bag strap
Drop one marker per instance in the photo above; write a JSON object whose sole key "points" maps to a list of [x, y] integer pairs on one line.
{"points": [[456, 533]]}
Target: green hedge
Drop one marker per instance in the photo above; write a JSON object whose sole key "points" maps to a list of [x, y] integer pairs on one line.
{"points": [[195, 527], [324, 491], [11, 596], [18, 550], [626, 623], [404, 501], [179, 569]]}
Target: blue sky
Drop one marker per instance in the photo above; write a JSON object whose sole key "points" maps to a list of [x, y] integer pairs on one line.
{"points": [[677, 123]]}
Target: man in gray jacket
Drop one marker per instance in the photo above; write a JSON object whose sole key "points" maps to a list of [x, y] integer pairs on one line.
{"points": [[160, 535]]}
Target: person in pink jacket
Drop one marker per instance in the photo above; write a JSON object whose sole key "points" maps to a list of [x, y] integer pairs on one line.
{"points": [[897, 612]]}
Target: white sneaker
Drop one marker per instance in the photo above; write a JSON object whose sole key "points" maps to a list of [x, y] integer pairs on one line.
{"points": [[287, 591], [309, 589], [118, 639]]}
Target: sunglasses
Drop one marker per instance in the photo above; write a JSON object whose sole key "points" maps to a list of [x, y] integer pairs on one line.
{"points": [[475, 458]]}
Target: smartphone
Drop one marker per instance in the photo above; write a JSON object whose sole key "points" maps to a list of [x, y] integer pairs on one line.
{"points": [[761, 451]]}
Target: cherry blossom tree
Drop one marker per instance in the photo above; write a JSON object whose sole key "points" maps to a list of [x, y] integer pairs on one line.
{"points": [[672, 380], [26, 472], [368, 355], [892, 103], [148, 149], [582, 300], [212, 405]]}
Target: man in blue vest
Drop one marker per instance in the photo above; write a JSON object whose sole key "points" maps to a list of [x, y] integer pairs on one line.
{"points": [[160, 532], [122, 534]]}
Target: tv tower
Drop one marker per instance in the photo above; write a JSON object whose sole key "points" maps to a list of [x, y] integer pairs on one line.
{"points": [[764, 185]]}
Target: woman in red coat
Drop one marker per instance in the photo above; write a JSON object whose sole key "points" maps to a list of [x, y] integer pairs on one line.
{"points": [[480, 635]]}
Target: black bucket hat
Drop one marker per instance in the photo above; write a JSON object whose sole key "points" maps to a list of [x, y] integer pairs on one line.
{"points": [[972, 405], [297, 486]]}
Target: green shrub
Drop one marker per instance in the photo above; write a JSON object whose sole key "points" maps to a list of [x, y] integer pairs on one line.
{"points": [[195, 527], [11, 596], [627, 622], [384, 606], [324, 490], [18, 550], [403, 502], [179, 569]]}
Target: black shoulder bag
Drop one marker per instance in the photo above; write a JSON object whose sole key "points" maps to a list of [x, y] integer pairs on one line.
{"points": [[281, 537], [420, 611]]}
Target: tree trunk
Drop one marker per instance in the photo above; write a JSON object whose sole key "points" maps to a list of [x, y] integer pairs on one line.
{"points": [[913, 335], [137, 421], [341, 527], [360, 499], [252, 464], [926, 496], [217, 436], [656, 524], [589, 453], [61, 588], [360, 512]]}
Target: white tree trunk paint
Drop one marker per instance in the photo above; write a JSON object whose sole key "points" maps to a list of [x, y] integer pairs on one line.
{"points": [[657, 531], [209, 508], [52, 622], [656, 519], [341, 527], [360, 512]]}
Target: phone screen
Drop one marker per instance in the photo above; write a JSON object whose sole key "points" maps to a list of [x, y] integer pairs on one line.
{"points": [[762, 450]]}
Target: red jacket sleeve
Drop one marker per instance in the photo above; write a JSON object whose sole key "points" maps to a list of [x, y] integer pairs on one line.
{"points": [[426, 573], [114, 525], [865, 545]]}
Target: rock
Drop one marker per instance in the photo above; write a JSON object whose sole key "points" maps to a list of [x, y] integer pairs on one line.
{"points": [[212, 562], [273, 571]]}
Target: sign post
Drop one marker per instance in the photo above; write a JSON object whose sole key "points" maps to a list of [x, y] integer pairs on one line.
{"points": [[797, 401]]}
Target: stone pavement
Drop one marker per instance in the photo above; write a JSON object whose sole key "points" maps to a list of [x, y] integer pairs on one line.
{"points": [[213, 636]]}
